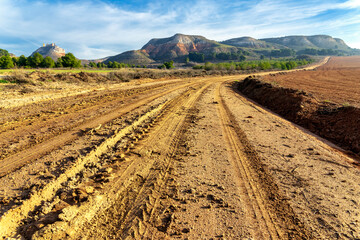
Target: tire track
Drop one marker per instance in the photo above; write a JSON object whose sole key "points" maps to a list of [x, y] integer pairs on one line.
{"points": [[26, 156], [271, 215], [135, 206], [11, 219], [248, 186]]}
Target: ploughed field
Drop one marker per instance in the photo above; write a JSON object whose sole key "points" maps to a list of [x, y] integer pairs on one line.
{"points": [[187, 158], [337, 81]]}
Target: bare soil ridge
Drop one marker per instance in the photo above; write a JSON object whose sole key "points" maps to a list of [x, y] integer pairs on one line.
{"points": [[334, 122]]}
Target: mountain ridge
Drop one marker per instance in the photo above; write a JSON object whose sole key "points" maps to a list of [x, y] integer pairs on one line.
{"points": [[179, 47], [300, 42]]}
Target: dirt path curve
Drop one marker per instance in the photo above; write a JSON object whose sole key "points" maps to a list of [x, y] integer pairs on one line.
{"points": [[184, 161]]}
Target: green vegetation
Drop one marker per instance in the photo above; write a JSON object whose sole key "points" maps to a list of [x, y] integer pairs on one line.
{"points": [[167, 65], [222, 56], [255, 65], [3, 52], [321, 52], [69, 60], [47, 62], [38, 61], [276, 53], [196, 57], [6, 62]]}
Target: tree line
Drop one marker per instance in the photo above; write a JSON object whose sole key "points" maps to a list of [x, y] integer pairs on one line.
{"points": [[255, 65], [69, 60], [321, 52], [38, 61], [201, 57]]}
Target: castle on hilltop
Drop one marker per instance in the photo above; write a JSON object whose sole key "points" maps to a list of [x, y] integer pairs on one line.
{"points": [[51, 50], [49, 45]]}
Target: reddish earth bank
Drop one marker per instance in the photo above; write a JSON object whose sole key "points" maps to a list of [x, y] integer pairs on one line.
{"points": [[334, 122]]}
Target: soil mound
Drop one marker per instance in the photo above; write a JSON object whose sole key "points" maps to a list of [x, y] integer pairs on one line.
{"points": [[337, 123]]}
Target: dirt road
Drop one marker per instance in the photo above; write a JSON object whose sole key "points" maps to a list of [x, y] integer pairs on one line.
{"points": [[173, 159]]}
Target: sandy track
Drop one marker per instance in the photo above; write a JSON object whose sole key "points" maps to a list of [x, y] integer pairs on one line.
{"points": [[184, 159]]}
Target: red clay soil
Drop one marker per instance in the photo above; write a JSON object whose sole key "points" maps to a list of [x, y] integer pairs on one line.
{"points": [[334, 122], [337, 81]]}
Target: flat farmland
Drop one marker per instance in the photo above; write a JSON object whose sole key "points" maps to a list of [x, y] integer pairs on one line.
{"points": [[337, 81]]}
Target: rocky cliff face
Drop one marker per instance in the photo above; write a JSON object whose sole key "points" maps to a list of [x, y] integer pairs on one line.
{"points": [[50, 50], [177, 46]]}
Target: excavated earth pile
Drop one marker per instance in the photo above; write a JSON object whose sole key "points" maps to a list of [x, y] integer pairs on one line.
{"points": [[337, 123]]}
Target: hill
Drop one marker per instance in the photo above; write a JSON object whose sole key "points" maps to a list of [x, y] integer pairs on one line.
{"points": [[303, 42], [131, 57], [181, 45], [50, 50], [248, 42]]}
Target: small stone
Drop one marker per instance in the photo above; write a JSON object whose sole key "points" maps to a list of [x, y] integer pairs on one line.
{"points": [[89, 189], [185, 230], [191, 191], [60, 205]]}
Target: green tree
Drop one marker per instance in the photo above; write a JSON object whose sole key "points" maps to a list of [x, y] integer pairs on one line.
{"points": [[22, 61], [69, 60], [101, 65], [47, 62], [92, 64], [162, 66], [116, 65], [15, 61], [169, 64], [3, 52], [6, 62], [209, 66], [37, 60], [59, 63], [196, 57]]}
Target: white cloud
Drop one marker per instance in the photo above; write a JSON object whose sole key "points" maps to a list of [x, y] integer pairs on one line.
{"points": [[350, 4], [88, 24], [94, 29]]}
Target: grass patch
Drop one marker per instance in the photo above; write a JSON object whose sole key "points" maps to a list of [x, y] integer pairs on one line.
{"points": [[346, 104]]}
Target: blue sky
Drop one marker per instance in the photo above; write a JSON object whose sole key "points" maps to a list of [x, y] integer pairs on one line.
{"points": [[98, 28]]}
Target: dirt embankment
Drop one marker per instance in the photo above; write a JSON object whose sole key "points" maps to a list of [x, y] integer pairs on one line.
{"points": [[337, 123]]}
